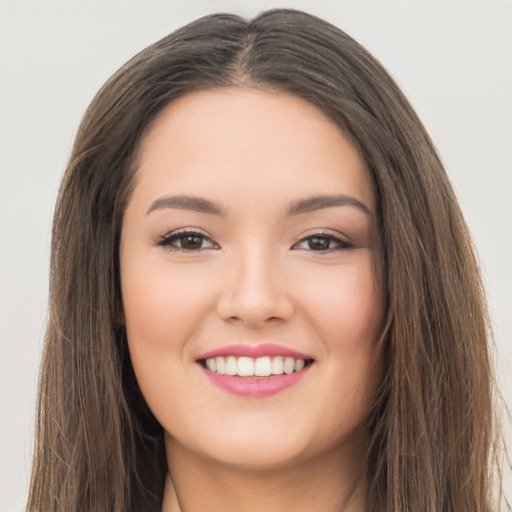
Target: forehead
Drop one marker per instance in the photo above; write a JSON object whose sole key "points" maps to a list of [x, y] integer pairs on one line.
{"points": [[223, 140]]}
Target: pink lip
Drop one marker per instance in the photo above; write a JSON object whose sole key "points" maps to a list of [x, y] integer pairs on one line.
{"points": [[255, 387], [254, 351]]}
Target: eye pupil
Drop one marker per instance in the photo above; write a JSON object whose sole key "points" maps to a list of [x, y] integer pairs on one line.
{"points": [[191, 242], [319, 243]]}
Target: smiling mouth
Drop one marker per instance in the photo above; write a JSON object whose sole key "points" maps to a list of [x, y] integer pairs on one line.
{"points": [[254, 367]]}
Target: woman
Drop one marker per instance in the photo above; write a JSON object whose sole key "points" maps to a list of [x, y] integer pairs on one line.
{"points": [[264, 296]]}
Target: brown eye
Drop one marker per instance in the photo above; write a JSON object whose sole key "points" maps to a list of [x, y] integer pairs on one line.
{"points": [[322, 242], [187, 241], [319, 243], [191, 242]]}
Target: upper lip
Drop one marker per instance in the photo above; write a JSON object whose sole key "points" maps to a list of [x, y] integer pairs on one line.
{"points": [[254, 351]]}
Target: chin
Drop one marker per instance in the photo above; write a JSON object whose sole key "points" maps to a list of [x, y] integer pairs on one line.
{"points": [[259, 455], [257, 446]]}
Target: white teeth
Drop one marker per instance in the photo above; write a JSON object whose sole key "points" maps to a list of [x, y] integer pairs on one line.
{"points": [[211, 364], [221, 365], [245, 367], [231, 366], [277, 366], [289, 365], [259, 367], [263, 367], [299, 364]]}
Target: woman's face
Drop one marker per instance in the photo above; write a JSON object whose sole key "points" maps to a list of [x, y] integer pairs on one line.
{"points": [[247, 269]]}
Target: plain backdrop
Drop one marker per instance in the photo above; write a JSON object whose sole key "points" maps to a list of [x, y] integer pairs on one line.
{"points": [[451, 57]]}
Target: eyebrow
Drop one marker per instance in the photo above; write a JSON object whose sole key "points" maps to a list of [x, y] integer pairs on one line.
{"points": [[325, 201], [197, 204]]}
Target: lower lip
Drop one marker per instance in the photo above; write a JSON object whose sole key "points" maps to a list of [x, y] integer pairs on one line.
{"points": [[256, 387]]}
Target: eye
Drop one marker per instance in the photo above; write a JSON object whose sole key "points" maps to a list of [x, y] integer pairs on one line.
{"points": [[322, 242], [186, 241]]}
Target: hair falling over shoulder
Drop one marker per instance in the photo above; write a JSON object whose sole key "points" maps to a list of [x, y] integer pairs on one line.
{"points": [[433, 430]]}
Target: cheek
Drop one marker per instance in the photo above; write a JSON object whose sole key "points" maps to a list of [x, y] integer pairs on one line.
{"points": [[162, 305], [345, 305], [164, 309], [345, 308]]}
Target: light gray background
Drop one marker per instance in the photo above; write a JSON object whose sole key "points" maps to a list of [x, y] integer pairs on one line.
{"points": [[452, 58]]}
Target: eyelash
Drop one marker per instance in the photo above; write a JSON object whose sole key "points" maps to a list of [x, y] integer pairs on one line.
{"points": [[167, 241], [340, 243]]}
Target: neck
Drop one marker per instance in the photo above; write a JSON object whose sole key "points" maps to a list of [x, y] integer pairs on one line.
{"points": [[331, 483]]}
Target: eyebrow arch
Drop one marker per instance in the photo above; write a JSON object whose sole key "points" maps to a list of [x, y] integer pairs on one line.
{"points": [[197, 204], [325, 201]]}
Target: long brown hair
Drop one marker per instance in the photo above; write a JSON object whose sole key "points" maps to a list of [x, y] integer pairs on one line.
{"points": [[98, 447]]}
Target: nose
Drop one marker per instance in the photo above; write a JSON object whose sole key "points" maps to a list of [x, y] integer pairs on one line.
{"points": [[254, 291]]}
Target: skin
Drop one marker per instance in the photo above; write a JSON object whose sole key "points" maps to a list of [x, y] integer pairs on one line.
{"points": [[254, 275]]}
